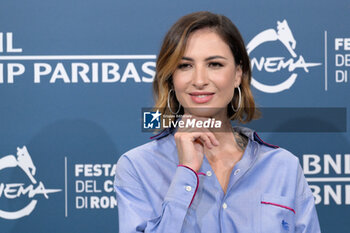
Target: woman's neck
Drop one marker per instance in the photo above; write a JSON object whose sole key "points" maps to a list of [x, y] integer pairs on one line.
{"points": [[231, 144]]}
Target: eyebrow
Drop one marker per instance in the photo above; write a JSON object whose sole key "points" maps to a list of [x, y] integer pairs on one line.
{"points": [[207, 59]]}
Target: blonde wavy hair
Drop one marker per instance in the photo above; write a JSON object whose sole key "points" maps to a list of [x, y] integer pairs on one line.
{"points": [[173, 48]]}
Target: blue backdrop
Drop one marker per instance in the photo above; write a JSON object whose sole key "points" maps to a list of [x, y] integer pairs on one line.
{"points": [[74, 76]]}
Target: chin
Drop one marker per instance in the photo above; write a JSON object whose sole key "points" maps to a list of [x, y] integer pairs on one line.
{"points": [[203, 111]]}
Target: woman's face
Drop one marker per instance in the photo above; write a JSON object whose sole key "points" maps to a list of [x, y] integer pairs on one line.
{"points": [[206, 76]]}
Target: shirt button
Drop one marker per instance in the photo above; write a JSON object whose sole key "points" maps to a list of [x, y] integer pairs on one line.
{"points": [[188, 188], [237, 171], [224, 205], [209, 173]]}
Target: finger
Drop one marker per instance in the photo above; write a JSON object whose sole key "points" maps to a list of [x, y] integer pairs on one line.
{"points": [[206, 140], [213, 139]]}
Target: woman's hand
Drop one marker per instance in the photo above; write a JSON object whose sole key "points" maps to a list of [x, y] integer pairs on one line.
{"points": [[190, 143]]}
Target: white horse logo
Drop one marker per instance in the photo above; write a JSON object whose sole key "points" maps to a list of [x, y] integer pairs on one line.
{"points": [[285, 36], [23, 161]]}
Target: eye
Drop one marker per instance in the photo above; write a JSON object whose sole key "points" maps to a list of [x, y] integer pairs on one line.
{"points": [[184, 66], [215, 64]]}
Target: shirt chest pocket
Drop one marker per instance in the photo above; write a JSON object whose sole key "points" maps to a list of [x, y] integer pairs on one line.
{"points": [[277, 214]]}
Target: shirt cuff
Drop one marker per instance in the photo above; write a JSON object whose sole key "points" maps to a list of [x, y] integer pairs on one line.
{"points": [[184, 186]]}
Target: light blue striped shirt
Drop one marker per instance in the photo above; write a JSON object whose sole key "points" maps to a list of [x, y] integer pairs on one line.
{"points": [[267, 192]]}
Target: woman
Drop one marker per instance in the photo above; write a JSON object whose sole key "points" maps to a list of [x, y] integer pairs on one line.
{"points": [[196, 179]]}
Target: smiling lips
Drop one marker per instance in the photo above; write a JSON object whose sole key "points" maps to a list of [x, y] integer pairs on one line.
{"points": [[201, 97]]}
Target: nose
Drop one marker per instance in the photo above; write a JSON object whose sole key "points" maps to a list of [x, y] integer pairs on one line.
{"points": [[200, 78]]}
